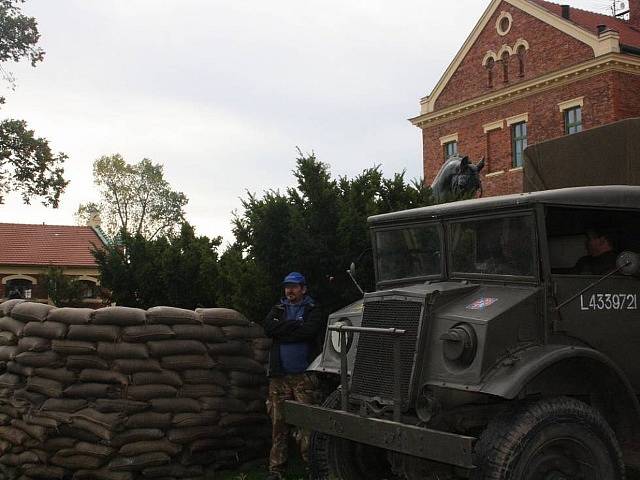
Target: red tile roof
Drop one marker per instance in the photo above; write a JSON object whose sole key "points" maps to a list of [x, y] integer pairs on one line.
{"points": [[590, 20], [59, 245]]}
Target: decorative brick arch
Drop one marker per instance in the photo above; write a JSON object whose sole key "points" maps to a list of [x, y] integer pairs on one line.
{"points": [[521, 42], [8, 278], [490, 55], [503, 49]]}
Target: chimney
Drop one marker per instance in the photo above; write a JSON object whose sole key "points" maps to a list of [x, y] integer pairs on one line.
{"points": [[634, 13], [601, 28], [94, 219], [566, 11]]}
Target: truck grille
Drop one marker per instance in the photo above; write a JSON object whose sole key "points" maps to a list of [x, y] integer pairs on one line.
{"points": [[373, 368]]}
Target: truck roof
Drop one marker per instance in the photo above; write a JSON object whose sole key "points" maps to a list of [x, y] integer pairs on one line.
{"points": [[613, 196]]}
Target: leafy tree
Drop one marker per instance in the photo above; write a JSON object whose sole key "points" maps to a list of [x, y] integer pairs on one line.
{"points": [[179, 271], [27, 164], [63, 290], [135, 198], [317, 227]]}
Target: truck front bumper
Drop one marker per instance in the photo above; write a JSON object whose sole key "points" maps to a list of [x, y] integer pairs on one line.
{"points": [[420, 442]]}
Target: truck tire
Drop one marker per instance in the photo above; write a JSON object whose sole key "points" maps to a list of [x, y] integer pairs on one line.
{"points": [[332, 457], [558, 438]]}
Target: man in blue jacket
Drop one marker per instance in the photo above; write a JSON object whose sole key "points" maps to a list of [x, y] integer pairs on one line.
{"points": [[294, 324]]}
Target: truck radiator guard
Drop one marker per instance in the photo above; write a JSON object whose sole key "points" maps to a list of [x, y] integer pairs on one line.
{"points": [[373, 371]]}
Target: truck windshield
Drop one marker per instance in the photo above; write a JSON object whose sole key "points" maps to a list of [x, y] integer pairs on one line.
{"points": [[493, 246], [408, 252]]}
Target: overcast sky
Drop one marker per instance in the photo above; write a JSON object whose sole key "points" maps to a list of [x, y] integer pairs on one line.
{"points": [[222, 92]]}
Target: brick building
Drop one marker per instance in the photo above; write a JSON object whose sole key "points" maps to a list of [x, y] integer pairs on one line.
{"points": [[530, 71], [28, 251]]}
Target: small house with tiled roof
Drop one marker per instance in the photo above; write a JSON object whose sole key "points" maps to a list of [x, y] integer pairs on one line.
{"points": [[28, 251], [531, 70]]}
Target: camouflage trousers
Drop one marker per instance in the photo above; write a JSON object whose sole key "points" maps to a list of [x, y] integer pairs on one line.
{"points": [[302, 388]]}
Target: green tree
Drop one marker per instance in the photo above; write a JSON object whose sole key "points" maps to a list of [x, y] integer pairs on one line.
{"points": [[179, 271], [135, 199], [27, 164], [63, 290], [318, 227]]}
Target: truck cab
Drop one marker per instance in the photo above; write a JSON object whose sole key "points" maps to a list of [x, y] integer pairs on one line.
{"points": [[488, 351]]}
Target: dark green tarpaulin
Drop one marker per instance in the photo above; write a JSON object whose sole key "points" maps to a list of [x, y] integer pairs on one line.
{"points": [[608, 155]]}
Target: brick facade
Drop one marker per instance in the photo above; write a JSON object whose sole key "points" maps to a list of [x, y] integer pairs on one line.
{"points": [[557, 69]]}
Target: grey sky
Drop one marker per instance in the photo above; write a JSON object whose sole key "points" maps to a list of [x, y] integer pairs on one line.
{"points": [[221, 92]]}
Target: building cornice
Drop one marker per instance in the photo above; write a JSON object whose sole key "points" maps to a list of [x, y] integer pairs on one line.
{"points": [[604, 44], [596, 66]]}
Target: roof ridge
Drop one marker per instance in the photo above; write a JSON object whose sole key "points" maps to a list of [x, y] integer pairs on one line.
{"points": [[44, 225], [610, 17]]}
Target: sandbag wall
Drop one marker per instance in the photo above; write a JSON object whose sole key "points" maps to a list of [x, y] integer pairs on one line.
{"points": [[122, 393]]}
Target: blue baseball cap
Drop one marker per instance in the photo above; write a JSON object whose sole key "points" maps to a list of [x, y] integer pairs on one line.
{"points": [[294, 277]]}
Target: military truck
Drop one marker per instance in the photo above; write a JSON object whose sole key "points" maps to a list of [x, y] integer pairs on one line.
{"points": [[482, 353]]}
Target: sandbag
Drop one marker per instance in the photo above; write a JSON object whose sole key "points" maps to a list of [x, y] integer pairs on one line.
{"points": [[104, 419], [235, 419], [86, 448], [205, 376], [223, 404], [254, 393], [262, 343], [35, 431], [78, 434], [164, 377], [133, 435], [10, 380], [121, 316], [71, 316], [182, 435], [221, 317], [261, 356], [230, 347], [13, 435], [201, 390], [45, 472], [8, 408], [94, 429], [17, 369], [176, 347], [62, 375], [39, 359], [186, 362], [33, 344], [31, 311], [9, 324], [130, 366], [45, 386], [93, 333], [235, 331], [50, 330], [202, 333], [145, 333], [211, 444], [175, 405], [7, 306], [34, 398], [7, 339], [255, 330], [46, 422], [139, 462], [138, 448], [92, 390], [207, 417], [148, 392], [73, 347], [119, 405], [172, 316], [64, 405], [123, 350], [102, 376], [53, 444], [243, 379], [79, 362], [20, 458], [242, 364], [74, 462], [148, 420], [101, 474], [8, 353]]}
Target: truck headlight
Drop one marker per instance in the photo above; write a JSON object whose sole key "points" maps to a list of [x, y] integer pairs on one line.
{"points": [[459, 344], [335, 336]]}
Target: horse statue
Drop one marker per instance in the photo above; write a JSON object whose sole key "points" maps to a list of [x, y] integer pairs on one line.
{"points": [[456, 179]]}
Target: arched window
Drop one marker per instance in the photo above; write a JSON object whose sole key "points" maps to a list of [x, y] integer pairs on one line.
{"points": [[522, 51], [489, 66], [505, 67], [18, 288]]}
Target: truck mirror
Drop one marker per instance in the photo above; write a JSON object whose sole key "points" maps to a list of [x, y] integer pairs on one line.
{"points": [[628, 263], [352, 268]]}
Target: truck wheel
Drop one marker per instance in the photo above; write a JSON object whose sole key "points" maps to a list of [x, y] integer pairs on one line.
{"points": [[553, 439], [336, 457]]}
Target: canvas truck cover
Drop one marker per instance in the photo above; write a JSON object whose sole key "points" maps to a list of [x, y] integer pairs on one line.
{"points": [[607, 155]]}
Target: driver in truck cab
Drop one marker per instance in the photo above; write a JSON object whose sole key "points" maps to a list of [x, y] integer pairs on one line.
{"points": [[601, 258]]}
